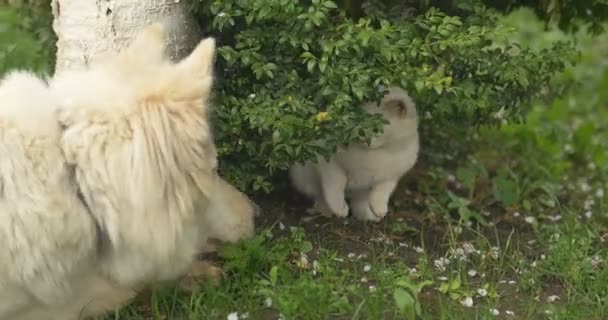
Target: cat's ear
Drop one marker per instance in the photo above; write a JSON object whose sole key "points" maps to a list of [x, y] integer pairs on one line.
{"points": [[397, 106]]}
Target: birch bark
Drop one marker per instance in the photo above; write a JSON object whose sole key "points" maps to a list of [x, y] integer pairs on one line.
{"points": [[87, 29]]}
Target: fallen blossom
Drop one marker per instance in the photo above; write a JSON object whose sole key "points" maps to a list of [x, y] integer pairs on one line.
{"points": [[268, 302], [467, 302]]}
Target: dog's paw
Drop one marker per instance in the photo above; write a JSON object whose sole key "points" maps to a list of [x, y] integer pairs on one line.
{"points": [[201, 271]]}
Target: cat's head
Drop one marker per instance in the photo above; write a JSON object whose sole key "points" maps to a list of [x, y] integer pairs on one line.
{"points": [[397, 104]]}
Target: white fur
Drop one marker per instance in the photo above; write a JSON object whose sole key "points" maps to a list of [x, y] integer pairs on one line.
{"points": [[366, 174], [132, 134]]}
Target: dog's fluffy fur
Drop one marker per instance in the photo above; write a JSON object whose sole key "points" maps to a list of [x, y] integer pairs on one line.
{"points": [[108, 181], [366, 174]]}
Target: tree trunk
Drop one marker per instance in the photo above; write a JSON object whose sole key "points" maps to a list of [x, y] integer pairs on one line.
{"points": [[87, 29]]}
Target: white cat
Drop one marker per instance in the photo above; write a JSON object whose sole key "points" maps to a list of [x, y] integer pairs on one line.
{"points": [[366, 175]]}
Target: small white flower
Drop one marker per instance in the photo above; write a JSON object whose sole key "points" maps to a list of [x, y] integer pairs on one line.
{"points": [[451, 178], [457, 229], [372, 289], [588, 214], [589, 202], [599, 193], [495, 252], [251, 96], [442, 278], [482, 292], [516, 214], [351, 255], [596, 261], [502, 281], [233, 316], [555, 218], [530, 220], [268, 302], [534, 264], [543, 257], [469, 248], [472, 273], [412, 270], [418, 249], [467, 302], [585, 187], [552, 298], [367, 268], [510, 313], [245, 315], [441, 264], [403, 244], [281, 226], [460, 254], [494, 312], [364, 280], [512, 282]]}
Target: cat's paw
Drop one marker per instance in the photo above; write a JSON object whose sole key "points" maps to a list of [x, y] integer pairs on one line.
{"points": [[341, 211], [338, 208], [366, 213], [378, 207]]}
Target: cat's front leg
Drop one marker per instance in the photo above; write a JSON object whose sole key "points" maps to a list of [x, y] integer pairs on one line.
{"points": [[361, 208], [379, 197], [333, 183]]}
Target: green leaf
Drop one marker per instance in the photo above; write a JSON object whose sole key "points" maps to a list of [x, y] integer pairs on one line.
{"points": [[306, 247], [405, 303], [505, 190], [330, 4], [273, 274]]}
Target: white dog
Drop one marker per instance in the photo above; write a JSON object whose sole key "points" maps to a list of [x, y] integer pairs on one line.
{"points": [[108, 181], [367, 175]]}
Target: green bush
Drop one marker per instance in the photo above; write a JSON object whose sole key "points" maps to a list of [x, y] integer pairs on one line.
{"points": [[27, 39], [291, 74]]}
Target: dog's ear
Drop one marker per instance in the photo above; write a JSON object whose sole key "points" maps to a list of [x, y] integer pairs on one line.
{"points": [[147, 49], [195, 72]]}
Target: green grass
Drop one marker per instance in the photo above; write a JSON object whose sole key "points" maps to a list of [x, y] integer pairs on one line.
{"points": [[515, 229]]}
